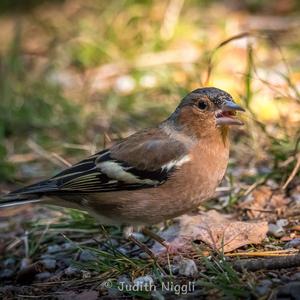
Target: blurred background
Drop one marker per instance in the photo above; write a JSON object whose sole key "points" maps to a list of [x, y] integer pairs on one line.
{"points": [[75, 75]]}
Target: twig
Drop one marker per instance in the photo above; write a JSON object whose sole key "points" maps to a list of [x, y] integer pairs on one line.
{"points": [[43, 153], [293, 174], [64, 161], [265, 253], [212, 54], [252, 187], [290, 261]]}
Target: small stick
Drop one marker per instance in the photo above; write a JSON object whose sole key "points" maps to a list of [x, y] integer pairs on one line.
{"points": [[64, 161], [265, 253], [289, 261], [43, 153], [155, 237], [293, 174], [142, 246]]}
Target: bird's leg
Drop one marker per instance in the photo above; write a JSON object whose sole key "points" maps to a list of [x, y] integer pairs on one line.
{"points": [[128, 233], [157, 238]]}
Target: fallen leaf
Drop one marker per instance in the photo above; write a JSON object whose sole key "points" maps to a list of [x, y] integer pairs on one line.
{"points": [[265, 204], [218, 231]]}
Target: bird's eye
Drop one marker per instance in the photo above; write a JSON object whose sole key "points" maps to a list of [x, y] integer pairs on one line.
{"points": [[202, 105]]}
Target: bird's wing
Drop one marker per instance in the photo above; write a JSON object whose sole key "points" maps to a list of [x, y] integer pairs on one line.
{"points": [[143, 160]]}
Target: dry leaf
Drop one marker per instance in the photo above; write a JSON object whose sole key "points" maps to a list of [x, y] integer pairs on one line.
{"points": [[219, 232], [216, 230], [265, 204]]}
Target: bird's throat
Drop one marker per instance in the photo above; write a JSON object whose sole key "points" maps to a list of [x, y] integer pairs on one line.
{"points": [[224, 133]]}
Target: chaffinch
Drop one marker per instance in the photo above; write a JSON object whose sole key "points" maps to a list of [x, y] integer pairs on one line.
{"points": [[152, 175]]}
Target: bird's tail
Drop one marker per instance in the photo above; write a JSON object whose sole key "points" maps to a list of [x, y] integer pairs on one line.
{"points": [[29, 194]]}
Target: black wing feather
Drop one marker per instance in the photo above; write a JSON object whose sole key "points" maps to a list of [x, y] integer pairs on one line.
{"points": [[85, 177]]}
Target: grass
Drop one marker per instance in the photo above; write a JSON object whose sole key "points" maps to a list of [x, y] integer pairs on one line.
{"points": [[221, 277]]}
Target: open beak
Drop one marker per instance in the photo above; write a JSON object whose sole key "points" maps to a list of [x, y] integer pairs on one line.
{"points": [[227, 114]]}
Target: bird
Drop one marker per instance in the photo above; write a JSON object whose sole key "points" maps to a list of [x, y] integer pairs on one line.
{"points": [[153, 175]]}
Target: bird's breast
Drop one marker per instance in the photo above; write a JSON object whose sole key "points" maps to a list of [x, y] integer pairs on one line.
{"points": [[197, 180]]}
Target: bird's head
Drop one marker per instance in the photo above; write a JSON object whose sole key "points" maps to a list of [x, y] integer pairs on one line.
{"points": [[205, 111]]}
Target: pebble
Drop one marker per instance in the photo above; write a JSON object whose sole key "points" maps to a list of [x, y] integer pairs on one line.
{"points": [[49, 263], [111, 243], [4, 225], [140, 237], [71, 271], [295, 243], [187, 267], [282, 222], [122, 250], [263, 287], [9, 262], [6, 274], [86, 255], [174, 269], [54, 249], [156, 295], [289, 291], [296, 276], [296, 197], [114, 293], [25, 262], [86, 274], [123, 279], [68, 246], [276, 231], [46, 256], [43, 276], [144, 255], [144, 281]]}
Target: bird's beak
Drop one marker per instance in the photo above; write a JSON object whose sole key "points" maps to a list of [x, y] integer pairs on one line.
{"points": [[227, 114]]}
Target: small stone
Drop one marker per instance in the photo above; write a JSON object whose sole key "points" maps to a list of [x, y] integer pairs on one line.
{"points": [[282, 222], [296, 197], [187, 267], [263, 287], [6, 274], [43, 276], [144, 255], [156, 295], [122, 250], [25, 263], [86, 274], [295, 243], [111, 243], [4, 225], [114, 293], [174, 269], [296, 276], [140, 237], [271, 183], [289, 291], [123, 280], [9, 262], [86, 255], [144, 282], [276, 280], [67, 246], [46, 256], [49, 263], [54, 249], [276, 231], [71, 271]]}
